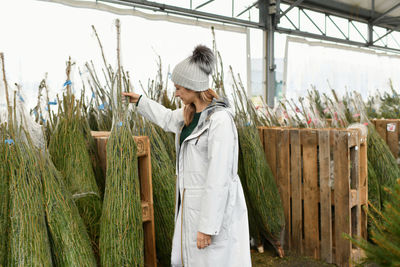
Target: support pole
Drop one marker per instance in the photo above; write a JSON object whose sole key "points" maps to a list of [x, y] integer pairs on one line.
{"points": [[268, 10], [248, 62], [370, 24]]}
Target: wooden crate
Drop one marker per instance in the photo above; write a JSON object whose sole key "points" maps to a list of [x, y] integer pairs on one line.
{"points": [[316, 213], [388, 129], [146, 189]]}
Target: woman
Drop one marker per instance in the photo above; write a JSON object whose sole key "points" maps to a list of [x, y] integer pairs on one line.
{"points": [[211, 225]]}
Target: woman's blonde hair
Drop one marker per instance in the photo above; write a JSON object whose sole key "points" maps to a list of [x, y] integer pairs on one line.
{"points": [[189, 110]]}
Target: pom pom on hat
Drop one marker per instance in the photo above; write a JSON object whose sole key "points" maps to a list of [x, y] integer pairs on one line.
{"points": [[204, 58]]}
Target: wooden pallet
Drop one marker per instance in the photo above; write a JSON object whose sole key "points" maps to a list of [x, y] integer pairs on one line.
{"points": [[388, 129], [146, 189], [317, 214]]}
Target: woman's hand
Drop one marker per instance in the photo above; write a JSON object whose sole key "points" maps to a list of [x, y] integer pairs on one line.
{"points": [[133, 97], [203, 240]]}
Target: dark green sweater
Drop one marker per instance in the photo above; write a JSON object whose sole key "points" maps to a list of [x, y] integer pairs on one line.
{"points": [[187, 130]]}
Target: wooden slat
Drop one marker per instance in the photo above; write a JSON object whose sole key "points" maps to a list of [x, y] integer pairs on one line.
{"points": [[342, 198], [295, 171], [102, 152], [283, 178], [96, 134], [311, 193], [353, 198], [146, 191], [381, 129], [325, 196], [363, 165], [363, 188], [355, 186], [353, 138], [261, 134], [270, 148]]}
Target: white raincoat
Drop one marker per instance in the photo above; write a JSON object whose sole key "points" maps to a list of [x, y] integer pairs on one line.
{"points": [[212, 199]]}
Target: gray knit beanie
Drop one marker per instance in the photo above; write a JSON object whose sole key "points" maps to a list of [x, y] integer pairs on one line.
{"points": [[193, 72]]}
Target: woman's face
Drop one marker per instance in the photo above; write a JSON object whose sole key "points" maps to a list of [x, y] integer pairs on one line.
{"points": [[187, 96]]}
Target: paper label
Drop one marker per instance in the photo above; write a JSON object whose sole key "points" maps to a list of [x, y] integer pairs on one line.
{"points": [[391, 127]]}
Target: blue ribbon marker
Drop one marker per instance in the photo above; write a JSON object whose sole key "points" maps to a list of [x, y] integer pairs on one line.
{"points": [[9, 141], [120, 124], [21, 98], [67, 83], [53, 103], [101, 107]]}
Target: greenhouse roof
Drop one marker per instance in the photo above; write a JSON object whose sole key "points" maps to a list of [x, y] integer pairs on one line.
{"points": [[384, 13]]}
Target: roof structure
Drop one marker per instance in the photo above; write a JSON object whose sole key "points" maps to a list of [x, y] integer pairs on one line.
{"points": [[385, 13], [380, 18], [363, 23]]}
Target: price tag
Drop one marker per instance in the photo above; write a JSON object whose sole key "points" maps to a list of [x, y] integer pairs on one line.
{"points": [[391, 127]]}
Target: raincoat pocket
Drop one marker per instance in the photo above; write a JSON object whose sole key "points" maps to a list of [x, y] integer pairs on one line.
{"points": [[193, 205]]}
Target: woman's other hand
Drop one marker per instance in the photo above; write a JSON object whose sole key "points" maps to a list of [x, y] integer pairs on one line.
{"points": [[203, 240], [133, 97]]}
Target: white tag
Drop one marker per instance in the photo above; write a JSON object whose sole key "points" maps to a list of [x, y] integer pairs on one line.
{"points": [[391, 127]]}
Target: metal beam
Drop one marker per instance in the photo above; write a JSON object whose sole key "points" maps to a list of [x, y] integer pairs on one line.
{"points": [[294, 26], [312, 21], [320, 37], [248, 8], [355, 27], [342, 10], [337, 27], [385, 13], [205, 3], [184, 12], [295, 4], [386, 34], [334, 39], [334, 8]]}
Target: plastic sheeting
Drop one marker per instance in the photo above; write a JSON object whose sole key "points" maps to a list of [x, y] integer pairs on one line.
{"points": [[20, 114], [343, 68], [135, 12]]}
